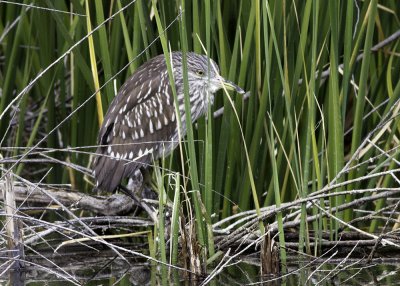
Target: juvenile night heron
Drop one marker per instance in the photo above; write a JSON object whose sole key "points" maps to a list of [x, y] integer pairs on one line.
{"points": [[141, 125]]}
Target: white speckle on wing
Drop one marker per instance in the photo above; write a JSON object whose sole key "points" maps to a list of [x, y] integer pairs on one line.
{"points": [[167, 96], [148, 92], [160, 105], [151, 127], [131, 155], [139, 95], [129, 122], [158, 126], [148, 151], [160, 85], [141, 132]]}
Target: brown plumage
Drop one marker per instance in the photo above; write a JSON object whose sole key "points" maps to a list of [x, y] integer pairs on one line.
{"points": [[141, 125]]}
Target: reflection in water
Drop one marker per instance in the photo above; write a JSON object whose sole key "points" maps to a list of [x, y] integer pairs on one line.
{"points": [[105, 268]]}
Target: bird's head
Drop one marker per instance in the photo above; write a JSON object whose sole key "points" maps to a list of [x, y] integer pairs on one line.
{"points": [[204, 74]]}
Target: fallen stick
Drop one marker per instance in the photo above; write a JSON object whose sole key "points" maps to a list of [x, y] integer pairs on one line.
{"points": [[105, 205]]}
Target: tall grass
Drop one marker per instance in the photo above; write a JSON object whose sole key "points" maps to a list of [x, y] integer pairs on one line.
{"points": [[313, 100]]}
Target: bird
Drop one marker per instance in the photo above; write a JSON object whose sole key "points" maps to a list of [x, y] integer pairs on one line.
{"points": [[140, 125]]}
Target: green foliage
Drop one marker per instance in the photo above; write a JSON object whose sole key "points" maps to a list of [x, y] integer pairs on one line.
{"points": [[295, 134]]}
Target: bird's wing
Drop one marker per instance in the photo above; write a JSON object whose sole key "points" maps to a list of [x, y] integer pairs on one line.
{"points": [[136, 89], [140, 119]]}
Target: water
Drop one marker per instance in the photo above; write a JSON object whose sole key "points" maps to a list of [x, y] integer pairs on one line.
{"points": [[103, 267]]}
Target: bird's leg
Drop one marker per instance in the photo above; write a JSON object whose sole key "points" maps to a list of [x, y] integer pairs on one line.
{"points": [[138, 191], [135, 184], [134, 187], [147, 191]]}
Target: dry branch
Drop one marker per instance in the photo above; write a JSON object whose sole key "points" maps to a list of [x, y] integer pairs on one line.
{"points": [[248, 230], [104, 205]]}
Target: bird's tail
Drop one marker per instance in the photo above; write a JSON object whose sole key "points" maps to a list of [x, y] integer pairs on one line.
{"points": [[108, 172]]}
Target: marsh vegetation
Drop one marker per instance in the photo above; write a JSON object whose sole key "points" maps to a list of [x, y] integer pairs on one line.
{"points": [[304, 165]]}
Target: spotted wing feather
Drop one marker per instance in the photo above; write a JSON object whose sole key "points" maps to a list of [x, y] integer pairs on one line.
{"points": [[139, 120]]}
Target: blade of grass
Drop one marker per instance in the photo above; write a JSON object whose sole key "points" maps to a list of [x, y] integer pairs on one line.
{"points": [[362, 94], [93, 64], [335, 139], [104, 51]]}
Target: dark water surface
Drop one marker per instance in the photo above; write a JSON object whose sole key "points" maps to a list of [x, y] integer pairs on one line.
{"points": [[105, 268]]}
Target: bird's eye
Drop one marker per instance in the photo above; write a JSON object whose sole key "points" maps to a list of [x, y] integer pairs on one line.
{"points": [[200, 72]]}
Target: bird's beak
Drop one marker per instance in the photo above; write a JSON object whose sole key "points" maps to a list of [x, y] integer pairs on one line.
{"points": [[231, 86]]}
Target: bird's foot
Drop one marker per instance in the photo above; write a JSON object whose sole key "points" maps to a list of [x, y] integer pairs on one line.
{"points": [[149, 201], [144, 196]]}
